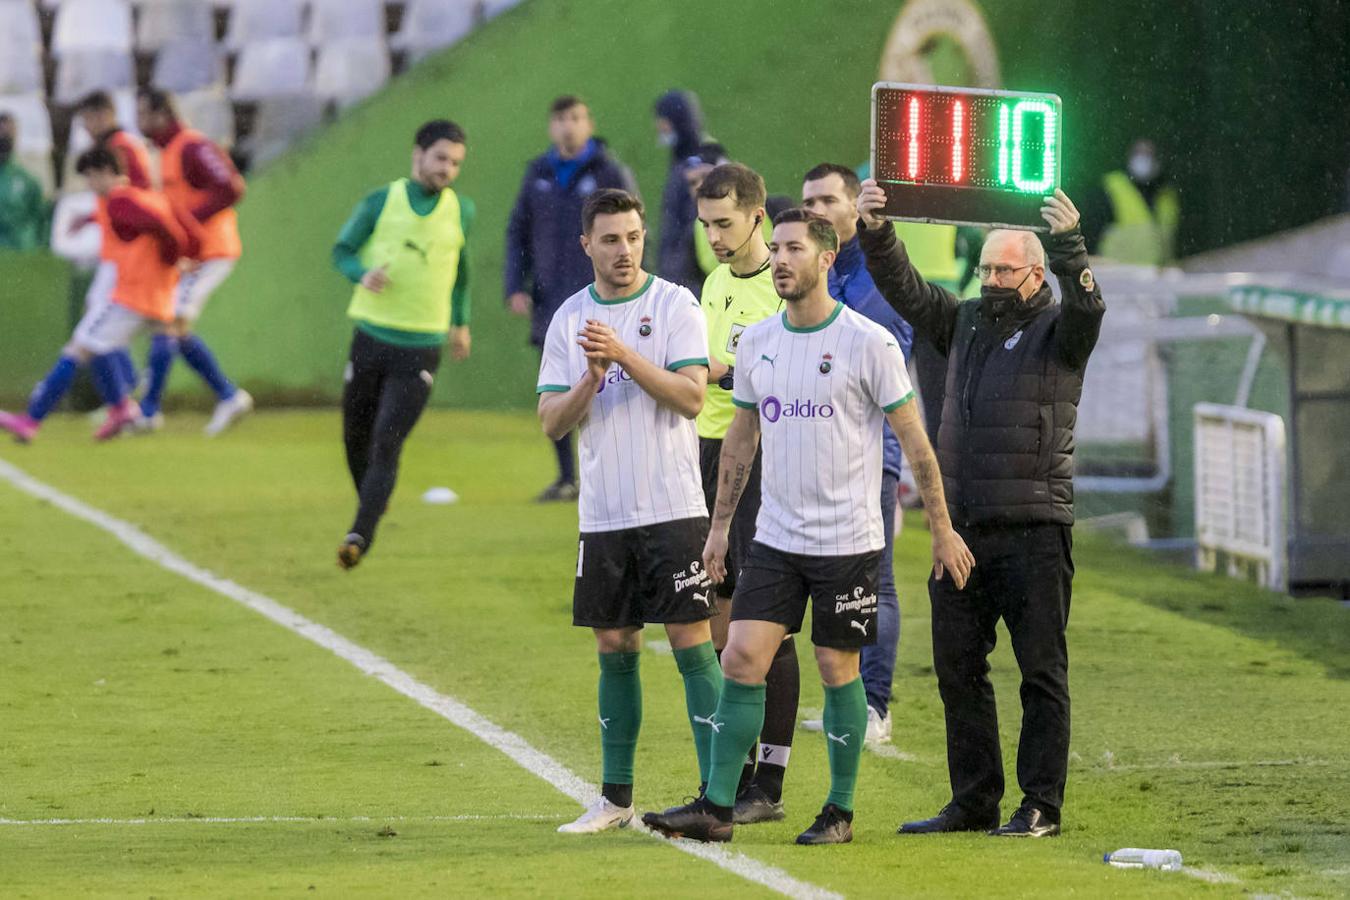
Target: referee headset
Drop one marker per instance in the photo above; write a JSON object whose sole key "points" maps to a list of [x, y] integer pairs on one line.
{"points": [[728, 255]]}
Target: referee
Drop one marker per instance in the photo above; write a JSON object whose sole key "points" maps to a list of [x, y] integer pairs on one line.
{"points": [[403, 248], [738, 293]]}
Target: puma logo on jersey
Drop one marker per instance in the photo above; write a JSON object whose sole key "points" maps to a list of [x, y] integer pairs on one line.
{"points": [[701, 598], [768, 359], [715, 726], [840, 739], [861, 626], [604, 723]]}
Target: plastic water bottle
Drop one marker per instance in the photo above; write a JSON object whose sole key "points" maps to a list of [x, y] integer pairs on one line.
{"points": [[1139, 858]]}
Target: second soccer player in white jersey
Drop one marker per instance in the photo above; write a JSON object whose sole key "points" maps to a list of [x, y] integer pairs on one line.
{"points": [[816, 382], [626, 364]]}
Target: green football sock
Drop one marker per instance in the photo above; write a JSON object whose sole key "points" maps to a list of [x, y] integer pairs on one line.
{"points": [[702, 690], [620, 715], [735, 727], [845, 728]]}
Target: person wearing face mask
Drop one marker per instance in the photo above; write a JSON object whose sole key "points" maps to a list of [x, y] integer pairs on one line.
{"points": [[1132, 217], [23, 210], [1015, 362], [679, 126]]}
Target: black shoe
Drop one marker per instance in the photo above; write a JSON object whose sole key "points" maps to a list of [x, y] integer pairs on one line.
{"points": [[1028, 822], [753, 805], [951, 818], [699, 820], [558, 491], [350, 551], [832, 826]]}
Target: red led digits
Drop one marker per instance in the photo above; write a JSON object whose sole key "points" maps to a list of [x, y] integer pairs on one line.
{"points": [[958, 137], [913, 169]]}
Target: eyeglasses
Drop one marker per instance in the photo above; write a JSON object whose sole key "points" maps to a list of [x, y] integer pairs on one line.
{"points": [[999, 271]]}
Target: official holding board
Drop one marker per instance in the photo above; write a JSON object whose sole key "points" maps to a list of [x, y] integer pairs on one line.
{"points": [[1005, 444]]}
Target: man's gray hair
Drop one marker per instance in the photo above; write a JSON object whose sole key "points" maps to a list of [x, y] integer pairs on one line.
{"points": [[1032, 251]]}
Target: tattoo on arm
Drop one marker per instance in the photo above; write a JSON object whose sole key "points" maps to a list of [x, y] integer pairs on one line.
{"points": [[922, 462], [730, 490], [928, 478]]}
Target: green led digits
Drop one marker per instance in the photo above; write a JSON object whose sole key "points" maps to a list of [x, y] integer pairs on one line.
{"points": [[1047, 165], [1015, 150], [1003, 143]]}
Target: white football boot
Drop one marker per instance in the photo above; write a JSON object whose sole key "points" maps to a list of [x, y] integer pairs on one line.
{"points": [[599, 816]]}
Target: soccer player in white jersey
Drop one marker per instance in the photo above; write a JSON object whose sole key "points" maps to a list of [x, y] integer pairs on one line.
{"points": [[817, 383], [626, 364]]}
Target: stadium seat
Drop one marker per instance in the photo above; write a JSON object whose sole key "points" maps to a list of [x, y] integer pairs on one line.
{"points": [[336, 20], [19, 26], [166, 21], [80, 244], [272, 68], [20, 48], [85, 25], [188, 65], [429, 25], [210, 112], [352, 69], [252, 21], [20, 72], [33, 121], [279, 122], [80, 71]]}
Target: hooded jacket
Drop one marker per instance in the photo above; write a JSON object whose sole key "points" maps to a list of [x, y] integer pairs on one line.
{"points": [[543, 246], [676, 258]]}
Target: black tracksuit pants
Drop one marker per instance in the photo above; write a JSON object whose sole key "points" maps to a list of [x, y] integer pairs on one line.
{"points": [[1023, 574], [386, 389]]}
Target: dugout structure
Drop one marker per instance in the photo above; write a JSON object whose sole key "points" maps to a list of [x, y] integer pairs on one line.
{"points": [[1307, 326]]}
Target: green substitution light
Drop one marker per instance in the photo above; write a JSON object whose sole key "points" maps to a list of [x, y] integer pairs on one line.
{"points": [[1011, 145]]}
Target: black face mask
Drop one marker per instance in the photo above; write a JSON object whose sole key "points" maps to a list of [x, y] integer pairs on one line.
{"points": [[6, 147], [996, 302]]}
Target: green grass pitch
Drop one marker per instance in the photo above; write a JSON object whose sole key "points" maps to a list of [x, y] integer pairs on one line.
{"points": [[1208, 716]]}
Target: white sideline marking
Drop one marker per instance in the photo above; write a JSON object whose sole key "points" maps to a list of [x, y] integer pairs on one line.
{"points": [[253, 820], [513, 745]]}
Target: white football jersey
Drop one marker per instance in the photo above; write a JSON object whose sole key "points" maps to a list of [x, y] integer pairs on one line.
{"points": [[822, 394], [639, 460]]}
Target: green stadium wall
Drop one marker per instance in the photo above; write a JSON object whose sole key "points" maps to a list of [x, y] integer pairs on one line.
{"points": [[784, 84], [35, 290]]}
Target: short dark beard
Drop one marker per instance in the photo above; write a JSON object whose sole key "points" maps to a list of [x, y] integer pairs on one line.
{"points": [[803, 290]]}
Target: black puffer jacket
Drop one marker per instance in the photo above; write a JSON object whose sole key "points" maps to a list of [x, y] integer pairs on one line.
{"points": [[1014, 378]]}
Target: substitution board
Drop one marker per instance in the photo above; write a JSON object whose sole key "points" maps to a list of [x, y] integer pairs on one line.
{"points": [[965, 156]]}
